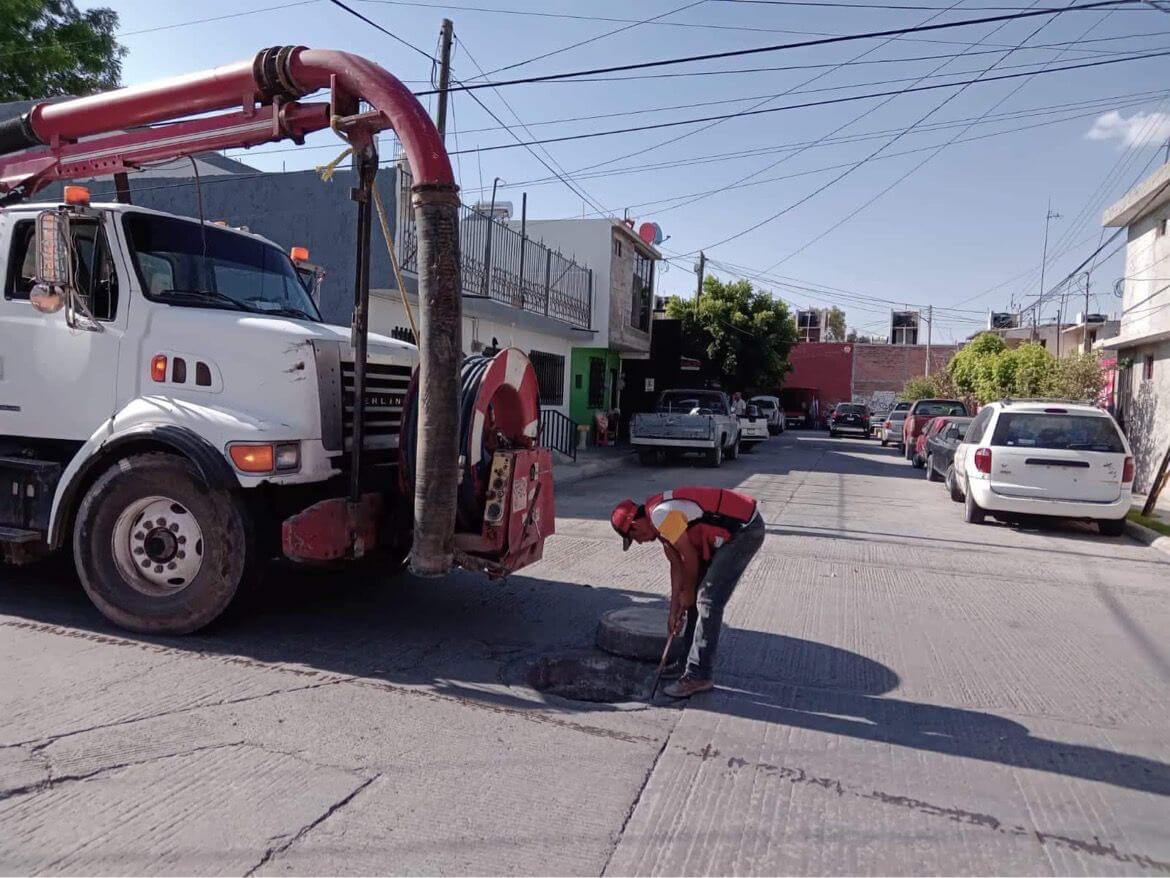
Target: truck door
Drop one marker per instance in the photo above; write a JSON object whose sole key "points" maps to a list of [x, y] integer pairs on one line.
{"points": [[58, 382]]}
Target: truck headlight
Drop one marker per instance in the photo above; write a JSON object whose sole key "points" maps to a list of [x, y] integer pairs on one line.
{"points": [[262, 458]]}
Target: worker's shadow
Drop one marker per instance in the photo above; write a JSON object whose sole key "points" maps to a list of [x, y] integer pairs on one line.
{"points": [[458, 637]]}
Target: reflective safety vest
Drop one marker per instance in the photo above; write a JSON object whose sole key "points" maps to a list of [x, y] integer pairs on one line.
{"points": [[724, 513]]}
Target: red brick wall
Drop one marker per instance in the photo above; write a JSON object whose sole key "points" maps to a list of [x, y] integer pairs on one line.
{"points": [[884, 369], [825, 367]]}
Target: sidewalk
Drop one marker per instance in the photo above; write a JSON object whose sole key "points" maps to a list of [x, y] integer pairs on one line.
{"points": [[1161, 514], [591, 462]]}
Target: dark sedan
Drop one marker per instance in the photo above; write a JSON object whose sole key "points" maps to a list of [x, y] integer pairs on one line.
{"points": [[940, 449], [849, 417]]}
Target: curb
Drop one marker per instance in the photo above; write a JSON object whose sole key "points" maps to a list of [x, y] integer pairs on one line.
{"points": [[590, 470], [1150, 537]]}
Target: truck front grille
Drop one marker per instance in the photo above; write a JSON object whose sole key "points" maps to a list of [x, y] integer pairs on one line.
{"points": [[385, 394]]}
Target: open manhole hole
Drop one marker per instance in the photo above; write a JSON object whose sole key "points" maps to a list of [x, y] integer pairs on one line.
{"points": [[598, 678]]}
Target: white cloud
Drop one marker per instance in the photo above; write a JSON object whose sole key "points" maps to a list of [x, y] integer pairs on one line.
{"points": [[1140, 128]]}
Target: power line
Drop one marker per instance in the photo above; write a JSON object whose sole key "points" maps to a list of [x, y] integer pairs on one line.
{"points": [[844, 38], [388, 33], [1117, 101], [595, 39], [862, 115], [821, 103], [44, 47], [929, 157], [879, 6], [556, 171]]}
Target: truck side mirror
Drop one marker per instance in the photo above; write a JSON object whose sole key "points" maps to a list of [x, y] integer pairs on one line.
{"points": [[312, 276], [54, 286], [54, 256]]}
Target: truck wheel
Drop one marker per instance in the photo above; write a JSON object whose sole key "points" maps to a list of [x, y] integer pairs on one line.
{"points": [[157, 551], [715, 456]]}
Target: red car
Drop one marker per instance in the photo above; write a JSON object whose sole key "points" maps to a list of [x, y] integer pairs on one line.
{"points": [[933, 426], [920, 413]]}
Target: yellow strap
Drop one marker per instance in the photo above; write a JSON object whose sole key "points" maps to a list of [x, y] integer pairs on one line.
{"points": [[326, 172]]}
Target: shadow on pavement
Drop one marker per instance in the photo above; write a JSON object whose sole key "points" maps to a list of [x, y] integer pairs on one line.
{"points": [[457, 636], [951, 731]]}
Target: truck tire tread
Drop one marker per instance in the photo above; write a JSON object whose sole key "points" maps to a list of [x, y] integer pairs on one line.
{"points": [[226, 545]]}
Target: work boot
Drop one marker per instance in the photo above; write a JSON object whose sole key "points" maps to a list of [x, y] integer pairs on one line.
{"points": [[674, 670], [688, 686]]}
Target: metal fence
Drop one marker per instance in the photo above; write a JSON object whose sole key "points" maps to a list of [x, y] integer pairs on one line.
{"points": [[499, 263]]}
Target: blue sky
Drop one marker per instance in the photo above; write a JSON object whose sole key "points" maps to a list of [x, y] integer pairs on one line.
{"points": [[963, 232]]}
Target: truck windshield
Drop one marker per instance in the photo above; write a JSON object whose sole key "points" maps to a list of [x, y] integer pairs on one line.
{"points": [[181, 264]]}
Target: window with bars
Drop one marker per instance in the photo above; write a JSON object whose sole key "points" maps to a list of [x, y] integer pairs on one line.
{"points": [[642, 291], [550, 376]]}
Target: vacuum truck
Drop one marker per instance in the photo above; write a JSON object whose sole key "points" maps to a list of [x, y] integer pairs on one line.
{"points": [[174, 411]]}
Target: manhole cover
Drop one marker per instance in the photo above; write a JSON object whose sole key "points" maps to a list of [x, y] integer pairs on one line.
{"points": [[591, 678], [637, 633]]}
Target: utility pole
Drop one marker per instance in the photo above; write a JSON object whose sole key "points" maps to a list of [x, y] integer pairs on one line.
{"points": [[448, 30], [700, 270], [1085, 318], [929, 328], [1049, 216]]}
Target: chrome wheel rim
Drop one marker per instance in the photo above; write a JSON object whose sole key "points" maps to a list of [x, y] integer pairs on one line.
{"points": [[158, 546]]}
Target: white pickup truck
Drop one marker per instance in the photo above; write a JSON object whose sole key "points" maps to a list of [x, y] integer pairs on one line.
{"points": [[687, 421]]}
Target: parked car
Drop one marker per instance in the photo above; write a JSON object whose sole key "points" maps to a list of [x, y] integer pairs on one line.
{"points": [[687, 421], [891, 429], [770, 408], [940, 449], [934, 425], [753, 428], [920, 412], [1041, 457], [849, 417]]}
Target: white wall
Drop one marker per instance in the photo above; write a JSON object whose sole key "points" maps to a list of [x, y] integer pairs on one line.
{"points": [[1146, 302], [386, 312], [588, 242]]}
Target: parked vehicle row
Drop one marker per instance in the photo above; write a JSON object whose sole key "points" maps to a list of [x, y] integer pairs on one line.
{"points": [[700, 422], [1021, 458]]}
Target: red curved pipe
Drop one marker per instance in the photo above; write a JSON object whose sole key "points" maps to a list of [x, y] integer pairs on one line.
{"points": [[235, 84], [312, 69]]}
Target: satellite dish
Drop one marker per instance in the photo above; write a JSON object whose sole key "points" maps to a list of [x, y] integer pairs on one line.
{"points": [[651, 233]]}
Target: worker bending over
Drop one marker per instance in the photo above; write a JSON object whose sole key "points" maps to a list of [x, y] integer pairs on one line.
{"points": [[709, 536]]}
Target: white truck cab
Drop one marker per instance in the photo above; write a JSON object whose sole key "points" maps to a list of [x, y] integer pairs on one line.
{"points": [[168, 395]]}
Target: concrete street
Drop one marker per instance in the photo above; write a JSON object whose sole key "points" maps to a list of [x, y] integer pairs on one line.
{"points": [[899, 693]]}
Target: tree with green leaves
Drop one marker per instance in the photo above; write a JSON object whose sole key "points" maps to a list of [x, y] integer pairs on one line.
{"points": [[50, 48], [742, 332], [835, 324], [936, 386], [987, 369]]}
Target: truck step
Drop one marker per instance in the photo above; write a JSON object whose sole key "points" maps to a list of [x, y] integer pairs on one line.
{"points": [[19, 535]]}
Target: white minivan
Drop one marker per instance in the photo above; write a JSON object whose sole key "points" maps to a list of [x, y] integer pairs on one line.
{"points": [[1045, 457]]}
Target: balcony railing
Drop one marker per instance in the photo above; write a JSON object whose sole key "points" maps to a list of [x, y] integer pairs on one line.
{"points": [[500, 264]]}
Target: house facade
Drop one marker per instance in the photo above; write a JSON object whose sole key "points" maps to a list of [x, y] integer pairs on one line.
{"points": [[1143, 345], [623, 270]]}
